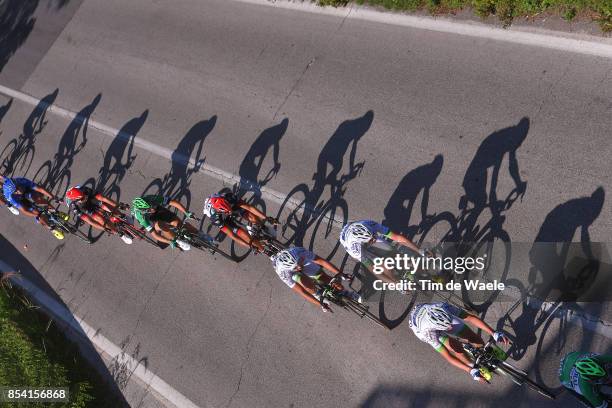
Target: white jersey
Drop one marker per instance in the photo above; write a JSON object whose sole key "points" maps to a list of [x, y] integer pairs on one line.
{"points": [[309, 268], [425, 332], [355, 249]]}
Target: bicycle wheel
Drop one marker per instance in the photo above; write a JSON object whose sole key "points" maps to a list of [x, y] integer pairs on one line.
{"points": [[327, 228], [362, 311], [495, 249], [72, 230], [6, 158], [293, 216], [522, 376]]}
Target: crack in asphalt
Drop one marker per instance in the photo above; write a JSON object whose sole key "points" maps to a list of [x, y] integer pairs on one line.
{"points": [[248, 350], [296, 83]]}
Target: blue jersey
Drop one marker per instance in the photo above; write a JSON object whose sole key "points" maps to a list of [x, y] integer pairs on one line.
{"points": [[17, 200]]}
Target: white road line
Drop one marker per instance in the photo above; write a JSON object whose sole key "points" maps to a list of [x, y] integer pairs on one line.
{"points": [[61, 313], [591, 45], [164, 152]]}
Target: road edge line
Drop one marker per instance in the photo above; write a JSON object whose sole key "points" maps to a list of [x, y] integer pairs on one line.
{"points": [[80, 327], [472, 29]]}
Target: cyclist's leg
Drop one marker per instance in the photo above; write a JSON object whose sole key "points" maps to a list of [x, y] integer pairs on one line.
{"points": [[466, 333], [93, 221], [39, 199], [308, 283], [241, 236], [454, 346]]}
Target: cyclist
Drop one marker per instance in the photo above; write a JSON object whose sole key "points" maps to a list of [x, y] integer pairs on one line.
{"points": [[300, 269], [150, 211], [584, 374], [358, 237], [223, 209], [4, 202], [441, 325], [90, 206], [24, 195]]}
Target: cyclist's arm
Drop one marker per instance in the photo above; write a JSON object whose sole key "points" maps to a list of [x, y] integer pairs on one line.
{"points": [[110, 206], [160, 237], [452, 359], [253, 210], [403, 240], [326, 265], [178, 206], [42, 190], [305, 294], [478, 322]]}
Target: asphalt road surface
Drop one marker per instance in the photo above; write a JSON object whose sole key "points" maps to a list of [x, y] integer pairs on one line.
{"points": [[366, 119]]}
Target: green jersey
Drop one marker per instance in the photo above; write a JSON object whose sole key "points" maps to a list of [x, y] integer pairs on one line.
{"points": [[570, 378], [142, 216]]}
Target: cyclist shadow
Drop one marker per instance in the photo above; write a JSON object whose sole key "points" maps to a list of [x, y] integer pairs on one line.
{"points": [[17, 156], [4, 110], [186, 160], [16, 23], [476, 232], [561, 270], [319, 210], [251, 182], [55, 175], [117, 160]]}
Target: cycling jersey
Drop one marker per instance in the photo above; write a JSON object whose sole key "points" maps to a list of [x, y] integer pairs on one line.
{"points": [[355, 249], [17, 200], [570, 378], [147, 219], [309, 267], [86, 206], [434, 337]]}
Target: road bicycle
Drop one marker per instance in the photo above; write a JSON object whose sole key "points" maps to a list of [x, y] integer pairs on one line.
{"points": [[489, 359], [196, 241], [464, 236], [266, 234], [329, 293], [58, 221], [124, 226]]}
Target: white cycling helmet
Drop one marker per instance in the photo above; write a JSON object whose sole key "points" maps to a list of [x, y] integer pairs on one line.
{"points": [[357, 232], [285, 259], [438, 318], [207, 207]]}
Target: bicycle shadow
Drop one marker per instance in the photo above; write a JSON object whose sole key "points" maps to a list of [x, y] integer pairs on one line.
{"points": [[551, 276], [251, 182], [318, 209], [398, 210], [185, 161], [477, 232], [117, 160], [253, 162], [17, 156], [55, 174]]}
